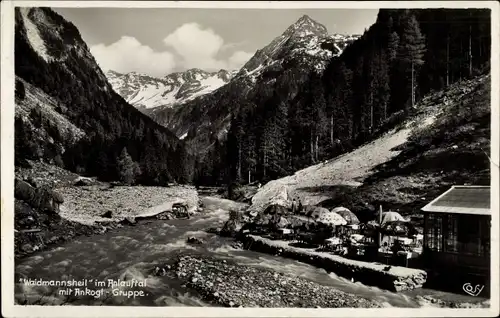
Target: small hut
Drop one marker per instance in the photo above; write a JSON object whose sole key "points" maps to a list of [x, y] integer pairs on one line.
{"points": [[457, 231], [276, 209]]}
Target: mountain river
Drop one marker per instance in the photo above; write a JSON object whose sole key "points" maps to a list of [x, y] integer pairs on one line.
{"points": [[132, 252]]}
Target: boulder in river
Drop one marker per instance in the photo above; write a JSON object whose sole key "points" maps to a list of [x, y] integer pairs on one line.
{"points": [[57, 197], [233, 225], [107, 214], [129, 220], [165, 215], [27, 248], [159, 271], [82, 181], [213, 230], [231, 228], [195, 240]]}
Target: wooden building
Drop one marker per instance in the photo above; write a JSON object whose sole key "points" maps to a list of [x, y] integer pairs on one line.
{"points": [[457, 227]]}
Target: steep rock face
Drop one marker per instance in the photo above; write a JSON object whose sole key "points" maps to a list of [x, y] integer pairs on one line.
{"points": [[281, 66], [144, 92], [67, 113]]}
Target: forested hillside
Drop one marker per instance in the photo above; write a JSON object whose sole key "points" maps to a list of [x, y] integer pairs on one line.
{"points": [[452, 150], [374, 85], [115, 141]]}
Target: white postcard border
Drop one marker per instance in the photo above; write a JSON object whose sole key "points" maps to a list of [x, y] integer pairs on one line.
{"points": [[7, 170]]}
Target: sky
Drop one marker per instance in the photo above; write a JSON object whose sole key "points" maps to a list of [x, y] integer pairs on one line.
{"points": [[159, 41]]}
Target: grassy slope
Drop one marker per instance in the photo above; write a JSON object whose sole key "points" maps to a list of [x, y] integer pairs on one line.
{"points": [[36, 99], [405, 168]]}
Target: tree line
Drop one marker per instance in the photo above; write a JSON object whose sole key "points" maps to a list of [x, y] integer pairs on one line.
{"points": [[375, 84]]}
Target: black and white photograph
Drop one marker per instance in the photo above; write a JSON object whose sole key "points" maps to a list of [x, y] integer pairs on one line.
{"points": [[207, 155]]}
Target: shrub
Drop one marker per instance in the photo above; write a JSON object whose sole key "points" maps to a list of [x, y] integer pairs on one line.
{"points": [[58, 161], [20, 90]]}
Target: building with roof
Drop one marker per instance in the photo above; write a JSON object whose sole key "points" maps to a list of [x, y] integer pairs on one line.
{"points": [[457, 231]]}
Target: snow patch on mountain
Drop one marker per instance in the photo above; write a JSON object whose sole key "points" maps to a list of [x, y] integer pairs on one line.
{"points": [[144, 91], [207, 85]]}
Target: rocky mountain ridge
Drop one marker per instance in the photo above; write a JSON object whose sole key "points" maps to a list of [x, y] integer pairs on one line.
{"points": [[144, 91]]}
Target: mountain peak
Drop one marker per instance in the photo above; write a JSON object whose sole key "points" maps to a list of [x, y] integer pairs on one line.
{"points": [[115, 73], [195, 70], [135, 73], [306, 26], [304, 18]]}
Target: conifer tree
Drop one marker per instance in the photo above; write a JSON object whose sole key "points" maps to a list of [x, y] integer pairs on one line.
{"points": [[412, 49], [127, 168]]}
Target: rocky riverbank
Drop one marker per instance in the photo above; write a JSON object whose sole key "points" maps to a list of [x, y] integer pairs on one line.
{"points": [[94, 210], [89, 207], [429, 301], [227, 284], [393, 278], [36, 231]]}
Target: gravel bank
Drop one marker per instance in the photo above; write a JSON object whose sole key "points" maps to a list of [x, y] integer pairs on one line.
{"points": [[232, 285], [87, 204]]}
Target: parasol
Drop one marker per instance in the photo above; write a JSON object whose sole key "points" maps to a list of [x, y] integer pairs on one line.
{"points": [[350, 217], [331, 219], [392, 217]]}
